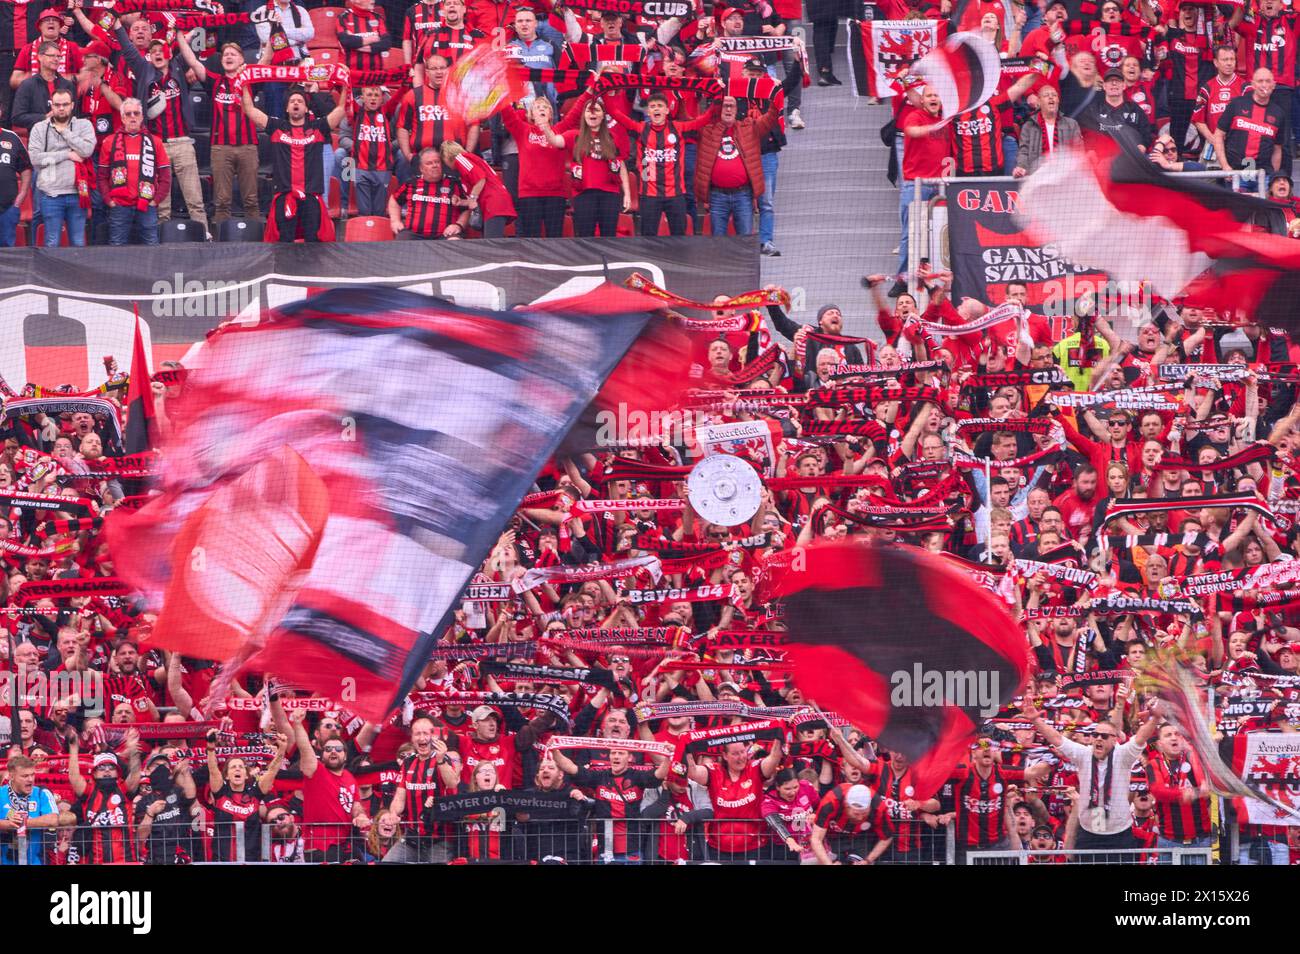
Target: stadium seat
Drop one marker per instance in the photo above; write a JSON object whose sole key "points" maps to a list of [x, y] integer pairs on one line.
{"points": [[202, 104], [326, 22], [181, 230], [334, 198], [368, 228], [239, 230], [203, 151], [392, 59], [327, 56]]}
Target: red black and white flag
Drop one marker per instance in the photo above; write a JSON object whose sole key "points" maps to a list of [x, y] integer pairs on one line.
{"points": [[1190, 239], [909, 649], [964, 71], [402, 433], [880, 51]]}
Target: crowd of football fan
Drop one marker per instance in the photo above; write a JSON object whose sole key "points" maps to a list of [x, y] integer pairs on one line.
{"points": [[1203, 86], [1017, 444], [109, 119]]}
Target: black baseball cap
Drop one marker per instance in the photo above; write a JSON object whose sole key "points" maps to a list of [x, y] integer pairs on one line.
{"points": [[1113, 73]]}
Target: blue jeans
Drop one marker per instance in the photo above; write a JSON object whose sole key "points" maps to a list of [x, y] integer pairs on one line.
{"points": [[1205, 841], [123, 219], [1033, 17], [9, 226], [766, 210], [1010, 151], [726, 206], [690, 152], [1253, 852], [60, 210], [905, 196]]}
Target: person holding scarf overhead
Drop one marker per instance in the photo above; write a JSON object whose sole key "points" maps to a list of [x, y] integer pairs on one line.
{"points": [[1104, 769], [297, 144], [134, 174]]}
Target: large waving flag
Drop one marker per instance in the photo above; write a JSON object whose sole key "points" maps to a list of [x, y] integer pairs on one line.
{"points": [[964, 71], [881, 51], [421, 424], [1187, 238], [482, 82], [908, 649]]}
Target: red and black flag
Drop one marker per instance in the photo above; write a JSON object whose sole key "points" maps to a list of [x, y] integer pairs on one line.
{"points": [[140, 414], [1189, 238], [419, 426], [901, 644], [964, 71]]}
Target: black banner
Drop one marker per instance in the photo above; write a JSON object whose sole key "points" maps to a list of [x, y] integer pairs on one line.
{"points": [[65, 314], [989, 249], [452, 807]]}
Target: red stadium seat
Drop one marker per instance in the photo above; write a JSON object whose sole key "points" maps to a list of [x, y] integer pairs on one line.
{"points": [[334, 198], [392, 59], [626, 225], [326, 22], [327, 56], [368, 228]]}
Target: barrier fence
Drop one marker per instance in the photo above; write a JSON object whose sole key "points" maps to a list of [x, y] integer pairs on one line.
{"points": [[495, 838]]}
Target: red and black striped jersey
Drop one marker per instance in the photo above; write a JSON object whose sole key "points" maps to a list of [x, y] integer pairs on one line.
{"points": [[358, 22], [451, 42], [131, 688], [420, 18], [170, 123], [94, 105], [298, 155], [424, 114], [104, 834], [429, 208], [978, 139], [1270, 42], [230, 127], [894, 789], [1169, 779], [833, 815], [420, 779], [18, 23], [979, 805], [372, 139]]}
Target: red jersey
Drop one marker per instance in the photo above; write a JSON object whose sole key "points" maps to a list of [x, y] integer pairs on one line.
{"points": [[979, 805], [928, 156], [373, 141], [356, 22], [1169, 779], [541, 165], [327, 801], [737, 809], [1214, 96], [662, 157], [1270, 42], [500, 752], [494, 200], [423, 113]]}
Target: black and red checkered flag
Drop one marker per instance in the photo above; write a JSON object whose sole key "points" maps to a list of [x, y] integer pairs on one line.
{"points": [[871, 628], [964, 71]]}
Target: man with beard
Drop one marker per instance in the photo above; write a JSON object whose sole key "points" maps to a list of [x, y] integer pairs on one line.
{"points": [[124, 682], [1181, 791], [1077, 503], [103, 822], [331, 807], [164, 816], [429, 771], [555, 835]]}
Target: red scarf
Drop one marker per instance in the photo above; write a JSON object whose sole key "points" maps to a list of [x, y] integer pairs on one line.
{"points": [[119, 175]]}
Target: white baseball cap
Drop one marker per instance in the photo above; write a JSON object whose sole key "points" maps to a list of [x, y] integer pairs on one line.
{"points": [[859, 796]]}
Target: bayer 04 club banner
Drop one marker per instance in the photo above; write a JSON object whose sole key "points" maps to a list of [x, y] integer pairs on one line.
{"points": [[61, 317], [989, 249]]}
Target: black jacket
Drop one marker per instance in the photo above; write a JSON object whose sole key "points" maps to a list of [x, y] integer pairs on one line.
{"points": [[32, 100]]}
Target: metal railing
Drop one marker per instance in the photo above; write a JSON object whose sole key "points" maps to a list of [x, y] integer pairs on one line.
{"points": [[1103, 856], [582, 841]]}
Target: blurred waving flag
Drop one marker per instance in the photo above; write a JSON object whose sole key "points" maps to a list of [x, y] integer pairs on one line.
{"points": [[337, 474], [1191, 239], [964, 71], [910, 650]]}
